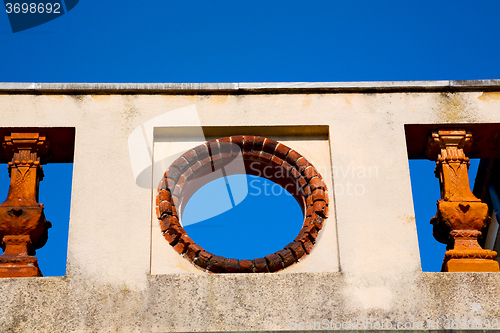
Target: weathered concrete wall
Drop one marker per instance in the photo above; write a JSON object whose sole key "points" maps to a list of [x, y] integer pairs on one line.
{"points": [[232, 302], [375, 275]]}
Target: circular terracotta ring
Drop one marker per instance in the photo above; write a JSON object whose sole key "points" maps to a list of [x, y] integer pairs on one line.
{"points": [[288, 168]]}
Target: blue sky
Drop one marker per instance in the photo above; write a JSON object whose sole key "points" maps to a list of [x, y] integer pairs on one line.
{"points": [[240, 233], [255, 41]]}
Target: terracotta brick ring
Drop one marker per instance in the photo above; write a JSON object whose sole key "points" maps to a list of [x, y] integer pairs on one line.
{"points": [[290, 169]]}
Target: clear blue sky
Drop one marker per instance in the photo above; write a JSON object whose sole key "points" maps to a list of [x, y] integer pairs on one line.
{"points": [[254, 41]]}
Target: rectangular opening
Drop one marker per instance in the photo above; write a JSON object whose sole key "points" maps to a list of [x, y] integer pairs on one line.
{"points": [[425, 186], [54, 193]]}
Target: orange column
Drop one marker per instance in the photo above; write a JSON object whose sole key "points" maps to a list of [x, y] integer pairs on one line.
{"points": [[460, 217], [23, 227]]}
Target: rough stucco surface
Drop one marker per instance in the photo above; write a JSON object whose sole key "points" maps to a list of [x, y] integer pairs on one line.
{"points": [[108, 286], [234, 302]]}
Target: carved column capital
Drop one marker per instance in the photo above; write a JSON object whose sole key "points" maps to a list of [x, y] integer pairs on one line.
{"points": [[34, 142], [450, 144]]}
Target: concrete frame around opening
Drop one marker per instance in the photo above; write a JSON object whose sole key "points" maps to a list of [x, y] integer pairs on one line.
{"points": [[310, 141]]}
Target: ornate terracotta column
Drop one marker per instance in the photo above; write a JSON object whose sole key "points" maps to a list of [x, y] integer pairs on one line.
{"points": [[460, 217], [23, 227]]}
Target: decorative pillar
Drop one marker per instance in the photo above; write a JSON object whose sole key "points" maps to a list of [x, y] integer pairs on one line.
{"points": [[23, 227], [460, 217]]}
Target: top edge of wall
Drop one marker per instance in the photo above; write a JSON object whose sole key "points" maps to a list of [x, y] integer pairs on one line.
{"points": [[248, 88]]}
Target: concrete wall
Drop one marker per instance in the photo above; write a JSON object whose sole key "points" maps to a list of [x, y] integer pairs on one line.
{"points": [[369, 246]]}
